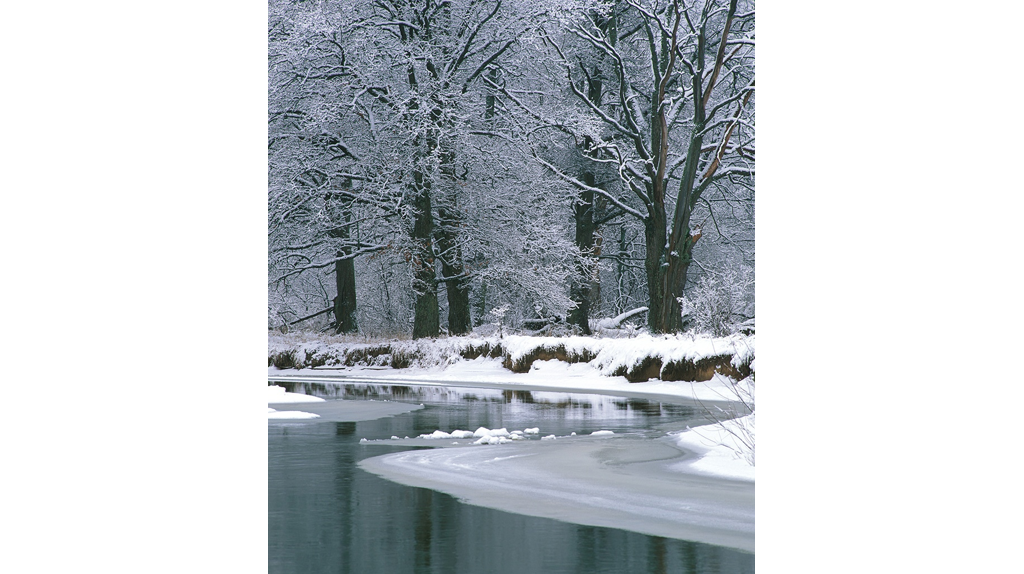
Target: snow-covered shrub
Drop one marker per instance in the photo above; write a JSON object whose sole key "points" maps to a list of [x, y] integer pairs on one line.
{"points": [[720, 301]]}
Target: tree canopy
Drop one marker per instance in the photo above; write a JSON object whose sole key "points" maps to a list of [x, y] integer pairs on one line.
{"points": [[558, 160]]}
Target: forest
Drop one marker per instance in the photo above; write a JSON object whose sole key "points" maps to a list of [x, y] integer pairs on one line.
{"points": [[456, 166]]}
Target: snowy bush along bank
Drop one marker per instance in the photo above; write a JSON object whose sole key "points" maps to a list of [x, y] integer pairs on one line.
{"points": [[669, 358]]}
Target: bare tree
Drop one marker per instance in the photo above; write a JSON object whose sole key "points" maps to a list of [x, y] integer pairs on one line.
{"points": [[679, 120]]}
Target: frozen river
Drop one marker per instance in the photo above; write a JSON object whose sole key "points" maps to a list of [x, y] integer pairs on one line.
{"points": [[327, 513]]}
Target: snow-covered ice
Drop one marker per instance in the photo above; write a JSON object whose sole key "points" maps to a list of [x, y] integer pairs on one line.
{"points": [[486, 432], [291, 415], [333, 410], [620, 481], [439, 434], [277, 395]]}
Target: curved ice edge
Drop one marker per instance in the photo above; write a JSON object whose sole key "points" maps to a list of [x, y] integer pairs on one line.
{"points": [[615, 482]]}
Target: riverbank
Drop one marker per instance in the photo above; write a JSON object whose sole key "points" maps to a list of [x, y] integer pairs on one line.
{"points": [[637, 359], [725, 450], [690, 484]]}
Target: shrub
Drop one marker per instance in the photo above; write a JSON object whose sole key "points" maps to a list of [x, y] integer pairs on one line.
{"points": [[720, 301]]}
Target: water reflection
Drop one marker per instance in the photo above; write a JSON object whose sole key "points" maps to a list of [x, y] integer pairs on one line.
{"points": [[327, 515]]}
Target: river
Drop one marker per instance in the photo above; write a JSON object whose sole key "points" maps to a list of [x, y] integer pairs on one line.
{"points": [[329, 515]]}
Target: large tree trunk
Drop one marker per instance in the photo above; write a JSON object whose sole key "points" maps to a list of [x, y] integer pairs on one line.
{"points": [[674, 262], [426, 321], [345, 302], [579, 290], [344, 274], [452, 269], [656, 263]]}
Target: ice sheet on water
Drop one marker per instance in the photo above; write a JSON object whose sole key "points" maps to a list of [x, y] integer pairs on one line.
{"points": [[291, 415], [276, 394]]}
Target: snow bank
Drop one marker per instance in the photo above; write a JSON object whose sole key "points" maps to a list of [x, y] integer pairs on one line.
{"points": [[724, 449], [669, 357]]}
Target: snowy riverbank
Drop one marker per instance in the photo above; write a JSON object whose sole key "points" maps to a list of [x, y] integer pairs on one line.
{"points": [[553, 364], [637, 359], [718, 451]]}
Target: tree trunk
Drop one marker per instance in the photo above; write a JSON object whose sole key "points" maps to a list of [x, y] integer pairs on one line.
{"points": [[426, 321], [453, 270], [345, 302], [344, 274], [671, 282], [579, 290], [656, 265]]}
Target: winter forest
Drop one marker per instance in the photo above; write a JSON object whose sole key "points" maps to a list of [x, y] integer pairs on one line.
{"points": [[440, 167]]}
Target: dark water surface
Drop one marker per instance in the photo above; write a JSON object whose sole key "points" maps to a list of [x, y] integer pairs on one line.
{"points": [[328, 515]]}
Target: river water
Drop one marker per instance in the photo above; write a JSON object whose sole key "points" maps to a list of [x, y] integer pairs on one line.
{"points": [[328, 515]]}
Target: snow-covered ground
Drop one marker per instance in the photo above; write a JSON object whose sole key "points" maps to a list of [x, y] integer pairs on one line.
{"points": [[725, 449], [545, 375], [608, 356]]}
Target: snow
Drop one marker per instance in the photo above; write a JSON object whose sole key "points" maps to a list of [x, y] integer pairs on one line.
{"points": [[439, 434], [486, 432], [610, 354], [493, 440], [277, 395], [722, 449], [487, 375]]}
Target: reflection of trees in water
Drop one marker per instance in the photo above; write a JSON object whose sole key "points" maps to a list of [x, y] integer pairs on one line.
{"points": [[512, 396], [327, 515], [562, 401]]}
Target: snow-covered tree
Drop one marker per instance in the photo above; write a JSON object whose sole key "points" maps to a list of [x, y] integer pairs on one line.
{"points": [[678, 118], [385, 140]]}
